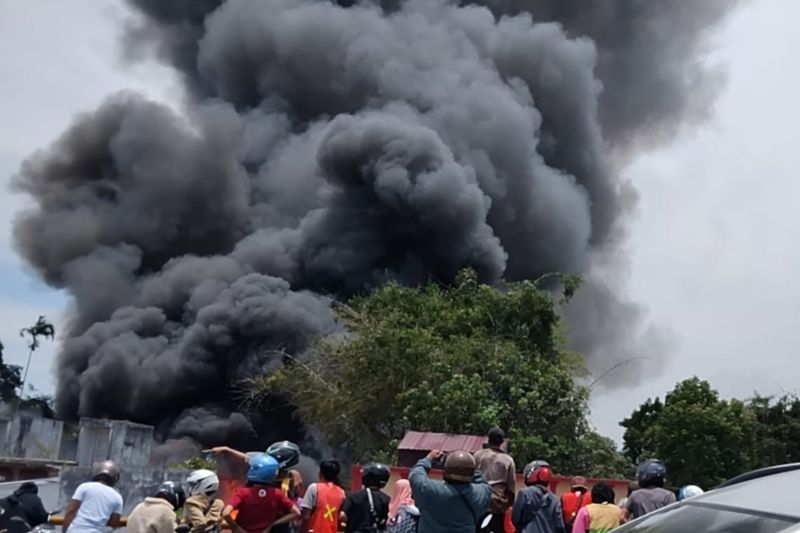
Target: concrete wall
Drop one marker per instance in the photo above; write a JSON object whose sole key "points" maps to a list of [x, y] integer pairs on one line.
{"points": [[30, 438], [128, 444], [134, 484]]}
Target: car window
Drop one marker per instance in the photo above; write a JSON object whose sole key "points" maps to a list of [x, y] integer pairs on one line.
{"points": [[697, 519]]}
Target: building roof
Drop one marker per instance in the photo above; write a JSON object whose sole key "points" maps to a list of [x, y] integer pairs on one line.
{"points": [[425, 441]]}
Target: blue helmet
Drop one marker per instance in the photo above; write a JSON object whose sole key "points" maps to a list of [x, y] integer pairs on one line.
{"points": [[652, 473], [263, 469]]}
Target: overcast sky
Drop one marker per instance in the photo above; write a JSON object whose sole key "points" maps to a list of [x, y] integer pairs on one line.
{"points": [[713, 247]]}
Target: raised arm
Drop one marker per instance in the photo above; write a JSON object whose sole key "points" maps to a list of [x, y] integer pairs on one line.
{"points": [[220, 450], [421, 484]]}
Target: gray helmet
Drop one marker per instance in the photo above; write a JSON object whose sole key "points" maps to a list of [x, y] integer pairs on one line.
{"points": [[286, 453], [106, 469], [459, 467]]}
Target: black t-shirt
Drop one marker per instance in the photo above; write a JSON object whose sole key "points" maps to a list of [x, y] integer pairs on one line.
{"points": [[356, 507]]}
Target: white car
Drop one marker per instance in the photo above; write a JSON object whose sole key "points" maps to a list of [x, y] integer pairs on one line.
{"points": [[762, 501]]}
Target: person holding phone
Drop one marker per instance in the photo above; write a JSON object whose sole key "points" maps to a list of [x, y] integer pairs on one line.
{"points": [[455, 505]]}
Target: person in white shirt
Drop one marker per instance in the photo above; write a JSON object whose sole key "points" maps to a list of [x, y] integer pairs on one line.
{"points": [[95, 504]]}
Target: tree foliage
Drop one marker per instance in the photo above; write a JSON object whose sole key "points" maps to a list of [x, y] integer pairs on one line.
{"points": [[196, 463], [10, 383], [637, 444], [778, 429], [459, 359], [703, 439], [10, 380]]}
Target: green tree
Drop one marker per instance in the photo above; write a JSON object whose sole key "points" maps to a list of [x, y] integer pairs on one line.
{"points": [[777, 430], [11, 382], [636, 440], [599, 456], [703, 439], [458, 358], [196, 463]]}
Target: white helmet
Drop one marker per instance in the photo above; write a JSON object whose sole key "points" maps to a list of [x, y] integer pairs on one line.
{"points": [[689, 491], [202, 482]]}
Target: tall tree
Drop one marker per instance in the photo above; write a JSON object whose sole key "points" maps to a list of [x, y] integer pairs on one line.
{"points": [[456, 359], [778, 429], [702, 438], [637, 441], [41, 328]]}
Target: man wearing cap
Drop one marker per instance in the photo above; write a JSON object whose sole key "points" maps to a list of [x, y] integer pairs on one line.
{"points": [[500, 471], [572, 501]]}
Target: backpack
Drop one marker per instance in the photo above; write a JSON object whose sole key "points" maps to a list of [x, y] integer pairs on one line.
{"points": [[405, 521]]}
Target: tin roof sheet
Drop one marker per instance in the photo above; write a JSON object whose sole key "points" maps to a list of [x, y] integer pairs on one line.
{"points": [[426, 441]]}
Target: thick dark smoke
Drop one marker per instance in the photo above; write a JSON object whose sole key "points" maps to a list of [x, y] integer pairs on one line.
{"points": [[326, 149]]}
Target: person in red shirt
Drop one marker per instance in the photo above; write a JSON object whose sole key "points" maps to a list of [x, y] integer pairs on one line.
{"points": [[259, 506], [322, 501], [574, 500]]}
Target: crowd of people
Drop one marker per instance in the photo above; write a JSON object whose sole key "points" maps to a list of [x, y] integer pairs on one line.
{"points": [[477, 494]]}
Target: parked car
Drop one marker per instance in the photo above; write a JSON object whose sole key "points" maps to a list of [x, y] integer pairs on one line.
{"points": [[762, 501]]}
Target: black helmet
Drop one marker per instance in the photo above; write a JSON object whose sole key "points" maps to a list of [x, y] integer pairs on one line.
{"points": [[652, 473], [375, 475], [173, 493], [286, 453]]}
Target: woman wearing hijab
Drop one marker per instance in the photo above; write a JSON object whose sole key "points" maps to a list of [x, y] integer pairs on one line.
{"points": [[601, 515], [403, 514]]}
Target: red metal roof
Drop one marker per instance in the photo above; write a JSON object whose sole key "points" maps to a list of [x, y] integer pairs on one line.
{"points": [[425, 441]]}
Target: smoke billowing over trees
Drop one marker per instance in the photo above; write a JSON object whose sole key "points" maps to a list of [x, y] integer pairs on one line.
{"points": [[325, 150]]}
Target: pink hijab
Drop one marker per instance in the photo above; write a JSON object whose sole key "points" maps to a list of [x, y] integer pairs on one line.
{"points": [[402, 496]]}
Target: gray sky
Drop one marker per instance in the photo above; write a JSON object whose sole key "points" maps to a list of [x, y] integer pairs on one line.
{"points": [[711, 248]]}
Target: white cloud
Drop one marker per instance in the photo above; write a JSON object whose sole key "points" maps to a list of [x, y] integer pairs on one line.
{"points": [[714, 255]]}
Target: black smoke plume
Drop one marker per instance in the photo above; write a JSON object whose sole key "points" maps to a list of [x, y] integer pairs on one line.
{"points": [[324, 149]]}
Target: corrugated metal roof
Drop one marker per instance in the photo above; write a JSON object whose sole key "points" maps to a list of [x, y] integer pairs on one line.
{"points": [[425, 441]]}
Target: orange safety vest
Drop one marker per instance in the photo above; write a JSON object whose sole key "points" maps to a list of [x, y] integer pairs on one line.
{"points": [[571, 503], [325, 516]]}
